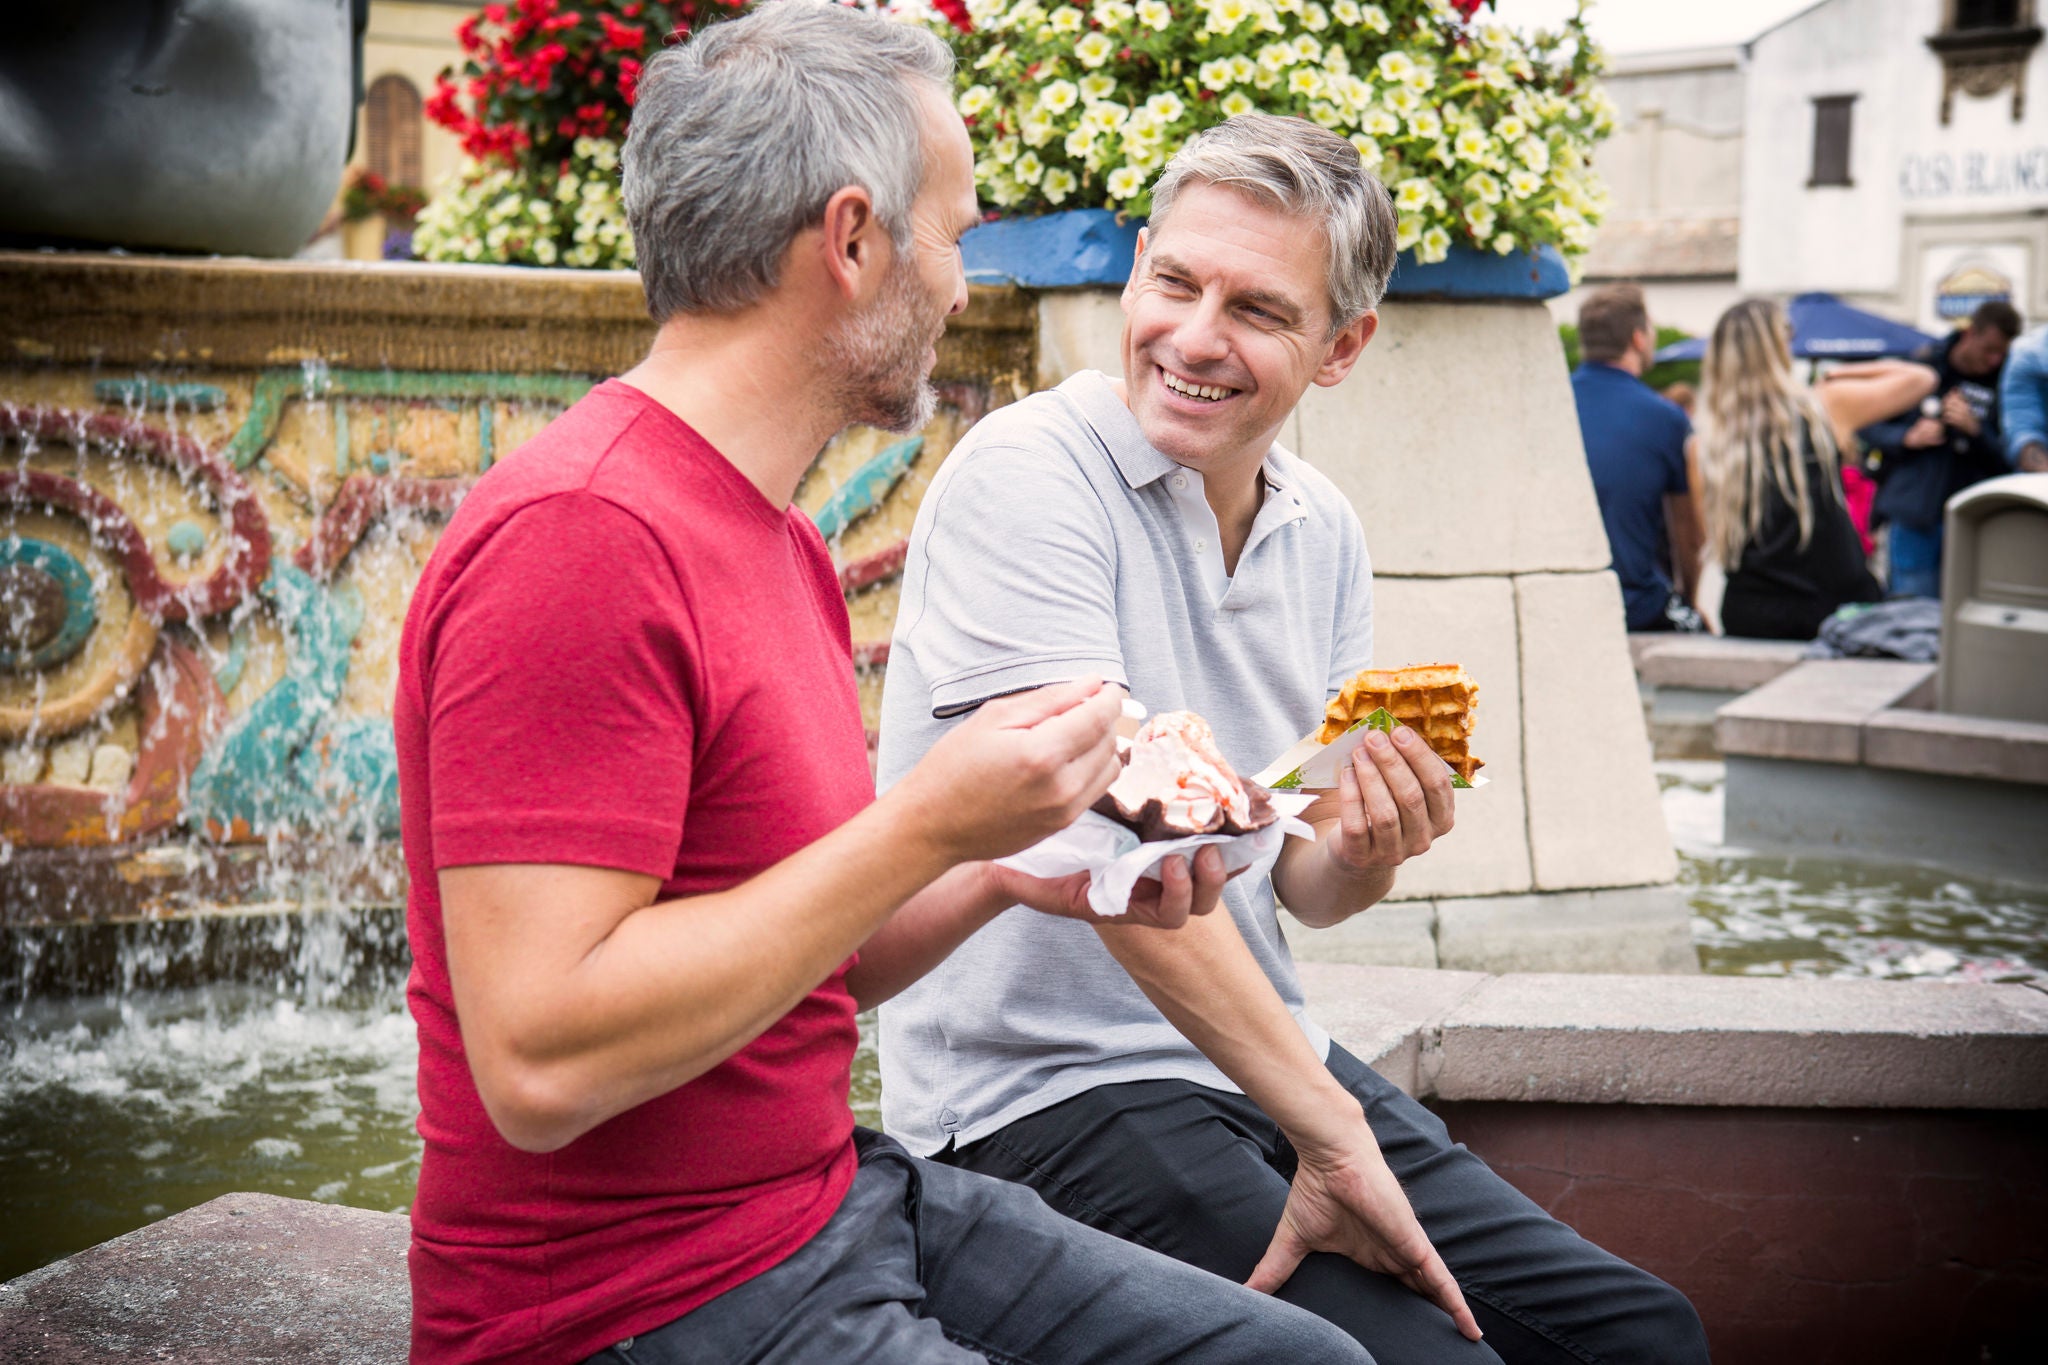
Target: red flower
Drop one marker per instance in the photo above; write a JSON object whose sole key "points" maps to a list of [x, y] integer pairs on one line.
{"points": [[956, 14], [620, 37], [629, 79], [1467, 8]]}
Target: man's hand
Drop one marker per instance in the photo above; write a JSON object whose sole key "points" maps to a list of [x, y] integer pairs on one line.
{"points": [[1346, 1201], [2033, 458], [1164, 902], [1957, 412], [1924, 434], [1393, 801], [1022, 768]]}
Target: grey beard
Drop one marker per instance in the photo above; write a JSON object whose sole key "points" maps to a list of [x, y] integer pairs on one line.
{"points": [[876, 358]]}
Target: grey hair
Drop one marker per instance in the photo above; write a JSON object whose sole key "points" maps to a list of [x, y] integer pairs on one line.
{"points": [[1300, 169], [741, 134]]}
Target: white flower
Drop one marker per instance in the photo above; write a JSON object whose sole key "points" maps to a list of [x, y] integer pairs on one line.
{"points": [[1369, 154], [1241, 68], [1504, 243], [1028, 169], [1380, 123], [1471, 144], [1114, 15], [1412, 194], [544, 250], [1214, 75], [1479, 218], [1237, 102], [1081, 141], [974, 99], [1275, 57], [1535, 154], [1093, 50], [1165, 107], [1105, 117], [1425, 123], [1372, 19], [1345, 12], [1098, 87], [1396, 66], [1226, 15], [1306, 49], [991, 57], [1524, 184], [1315, 18], [1403, 101], [1154, 15], [1058, 96], [1327, 114], [1125, 181], [1036, 128], [1484, 188], [1510, 129], [1059, 183], [1407, 232], [1435, 245], [1065, 19], [1305, 80]]}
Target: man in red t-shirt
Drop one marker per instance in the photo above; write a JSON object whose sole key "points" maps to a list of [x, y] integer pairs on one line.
{"points": [[651, 883]]}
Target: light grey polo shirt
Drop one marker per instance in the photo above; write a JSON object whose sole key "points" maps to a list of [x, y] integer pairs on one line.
{"points": [[1057, 542]]}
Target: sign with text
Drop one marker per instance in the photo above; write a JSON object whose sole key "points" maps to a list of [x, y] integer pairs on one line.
{"points": [[1933, 176]]}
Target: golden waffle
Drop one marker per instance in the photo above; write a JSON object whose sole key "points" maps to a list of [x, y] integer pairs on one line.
{"points": [[1434, 700]]}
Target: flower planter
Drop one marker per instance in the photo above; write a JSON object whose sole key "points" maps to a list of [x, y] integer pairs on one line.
{"points": [[1093, 247]]}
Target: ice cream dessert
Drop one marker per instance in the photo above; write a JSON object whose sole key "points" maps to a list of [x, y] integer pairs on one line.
{"points": [[1176, 783]]}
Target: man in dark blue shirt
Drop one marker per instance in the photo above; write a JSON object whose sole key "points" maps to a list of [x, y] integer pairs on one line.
{"points": [[1636, 449]]}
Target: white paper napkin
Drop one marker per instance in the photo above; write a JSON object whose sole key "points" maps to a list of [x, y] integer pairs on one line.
{"points": [[1115, 859]]}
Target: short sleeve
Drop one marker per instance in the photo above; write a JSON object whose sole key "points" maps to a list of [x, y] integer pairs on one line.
{"points": [[1351, 646], [1015, 579], [1675, 478], [557, 695]]}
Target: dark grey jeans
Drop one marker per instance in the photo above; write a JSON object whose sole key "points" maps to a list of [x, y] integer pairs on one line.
{"points": [[928, 1265], [1202, 1176]]}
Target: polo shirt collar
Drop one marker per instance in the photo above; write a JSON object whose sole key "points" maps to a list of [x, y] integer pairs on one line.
{"points": [[1136, 458]]}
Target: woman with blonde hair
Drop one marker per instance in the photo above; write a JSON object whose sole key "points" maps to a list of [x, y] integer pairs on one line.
{"points": [[1769, 472]]}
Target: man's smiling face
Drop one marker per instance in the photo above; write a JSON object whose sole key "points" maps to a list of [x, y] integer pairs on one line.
{"points": [[1226, 324]]}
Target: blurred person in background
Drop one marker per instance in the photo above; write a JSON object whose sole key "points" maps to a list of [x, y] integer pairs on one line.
{"points": [[1933, 449], [1635, 443], [1682, 396], [1769, 472], [2023, 403]]}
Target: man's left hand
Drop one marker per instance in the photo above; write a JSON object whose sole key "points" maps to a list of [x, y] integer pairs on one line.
{"points": [[1394, 799], [1351, 1204]]}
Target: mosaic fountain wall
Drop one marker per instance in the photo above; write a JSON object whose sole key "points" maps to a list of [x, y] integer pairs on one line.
{"points": [[218, 485]]}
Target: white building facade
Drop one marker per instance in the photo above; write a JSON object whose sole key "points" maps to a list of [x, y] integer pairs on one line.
{"points": [[1892, 152], [1897, 155]]}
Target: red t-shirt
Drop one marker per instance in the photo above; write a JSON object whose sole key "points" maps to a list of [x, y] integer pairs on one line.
{"points": [[621, 655]]}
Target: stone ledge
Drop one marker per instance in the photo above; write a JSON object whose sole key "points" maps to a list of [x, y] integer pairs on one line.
{"points": [[1620, 929], [1713, 663], [1691, 1041], [1957, 746], [242, 1278], [1816, 711]]}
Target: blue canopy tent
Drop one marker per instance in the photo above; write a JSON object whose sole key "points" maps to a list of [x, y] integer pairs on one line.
{"points": [[1825, 328]]}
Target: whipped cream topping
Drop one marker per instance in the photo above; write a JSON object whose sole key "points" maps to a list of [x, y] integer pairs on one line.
{"points": [[1174, 760]]}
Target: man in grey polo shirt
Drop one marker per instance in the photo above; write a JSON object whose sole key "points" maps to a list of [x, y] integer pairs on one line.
{"points": [[1172, 1089]]}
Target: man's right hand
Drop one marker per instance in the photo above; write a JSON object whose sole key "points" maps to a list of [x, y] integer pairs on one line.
{"points": [[2033, 458], [1022, 768]]}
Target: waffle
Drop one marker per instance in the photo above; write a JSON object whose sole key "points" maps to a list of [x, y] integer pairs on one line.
{"points": [[1434, 700]]}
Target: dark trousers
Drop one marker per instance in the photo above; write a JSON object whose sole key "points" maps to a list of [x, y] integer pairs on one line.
{"points": [[1202, 1176], [927, 1265]]}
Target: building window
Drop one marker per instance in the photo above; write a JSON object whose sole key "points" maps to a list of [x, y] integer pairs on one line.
{"points": [[1982, 14], [1831, 115], [392, 113]]}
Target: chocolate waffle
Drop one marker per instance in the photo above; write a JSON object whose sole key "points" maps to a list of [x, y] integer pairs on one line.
{"points": [[1436, 701]]}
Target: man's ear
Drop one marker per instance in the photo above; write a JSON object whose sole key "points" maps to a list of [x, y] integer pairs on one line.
{"points": [[1345, 348], [1137, 260], [851, 249]]}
